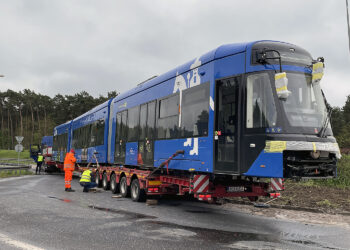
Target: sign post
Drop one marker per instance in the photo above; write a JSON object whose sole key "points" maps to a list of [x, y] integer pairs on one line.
{"points": [[19, 147]]}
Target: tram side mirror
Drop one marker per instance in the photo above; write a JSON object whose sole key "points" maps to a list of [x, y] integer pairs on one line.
{"points": [[261, 57], [281, 83]]}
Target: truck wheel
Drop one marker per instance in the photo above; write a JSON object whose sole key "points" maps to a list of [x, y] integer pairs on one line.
{"points": [[124, 189], [114, 184], [105, 183], [137, 194], [97, 179]]}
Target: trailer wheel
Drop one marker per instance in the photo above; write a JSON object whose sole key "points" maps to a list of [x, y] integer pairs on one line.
{"points": [[124, 189], [114, 184], [137, 194], [105, 183], [97, 179]]}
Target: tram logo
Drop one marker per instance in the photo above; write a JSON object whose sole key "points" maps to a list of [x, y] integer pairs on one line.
{"points": [[193, 78], [188, 143]]}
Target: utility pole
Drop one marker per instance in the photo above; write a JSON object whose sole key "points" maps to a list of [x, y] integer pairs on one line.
{"points": [[347, 15]]}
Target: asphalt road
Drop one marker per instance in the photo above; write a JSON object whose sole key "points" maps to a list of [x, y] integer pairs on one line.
{"points": [[36, 213]]}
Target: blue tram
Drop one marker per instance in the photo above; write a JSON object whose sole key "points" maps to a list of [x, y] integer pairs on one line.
{"points": [[251, 109]]}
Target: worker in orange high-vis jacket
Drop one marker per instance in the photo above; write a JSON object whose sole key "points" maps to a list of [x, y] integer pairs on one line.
{"points": [[69, 166]]}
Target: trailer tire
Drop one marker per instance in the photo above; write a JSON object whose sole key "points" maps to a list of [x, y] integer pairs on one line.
{"points": [[137, 194], [114, 184], [124, 189], [97, 179], [105, 183]]}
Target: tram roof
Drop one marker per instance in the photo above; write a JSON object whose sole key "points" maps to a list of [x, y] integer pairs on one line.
{"points": [[219, 52]]}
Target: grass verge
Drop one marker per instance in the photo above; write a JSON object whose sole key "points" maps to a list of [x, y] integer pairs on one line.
{"points": [[14, 154], [14, 173], [343, 176]]}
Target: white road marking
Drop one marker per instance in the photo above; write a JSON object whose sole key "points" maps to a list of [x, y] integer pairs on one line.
{"points": [[7, 240]]}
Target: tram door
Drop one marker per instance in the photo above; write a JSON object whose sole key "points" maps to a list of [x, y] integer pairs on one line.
{"points": [[226, 125], [146, 137], [121, 137]]}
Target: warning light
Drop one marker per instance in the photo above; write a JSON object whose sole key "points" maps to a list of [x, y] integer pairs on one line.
{"points": [[275, 195], [219, 132], [153, 190]]}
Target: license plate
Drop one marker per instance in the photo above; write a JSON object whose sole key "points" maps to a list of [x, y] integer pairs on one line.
{"points": [[235, 189]]}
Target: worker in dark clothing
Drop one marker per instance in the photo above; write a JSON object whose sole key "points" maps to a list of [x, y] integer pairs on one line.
{"points": [[85, 180], [39, 163]]}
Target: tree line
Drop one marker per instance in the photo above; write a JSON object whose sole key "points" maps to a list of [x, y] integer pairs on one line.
{"points": [[34, 115], [340, 121]]}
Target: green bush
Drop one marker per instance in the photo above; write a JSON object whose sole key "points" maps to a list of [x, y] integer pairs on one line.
{"points": [[343, 175]]}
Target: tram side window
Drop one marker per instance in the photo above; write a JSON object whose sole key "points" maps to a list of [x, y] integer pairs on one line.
{"points": [[82, 137], [60, 142], [261, 110], [151, 118], [55, 143], [97, 133], [147, 120], [133, 124], [76, 134], [143, 121], [86, 132], [168, 117], [195, 111]]}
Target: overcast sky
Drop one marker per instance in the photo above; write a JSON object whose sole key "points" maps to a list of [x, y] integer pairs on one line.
{"points": [[66, 46]]}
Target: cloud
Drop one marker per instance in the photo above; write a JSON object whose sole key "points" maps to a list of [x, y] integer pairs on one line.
{"points": [[67, 46]]}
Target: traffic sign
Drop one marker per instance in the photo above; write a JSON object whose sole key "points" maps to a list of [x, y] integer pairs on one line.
{"points": [[19, 148], [19, 139]]}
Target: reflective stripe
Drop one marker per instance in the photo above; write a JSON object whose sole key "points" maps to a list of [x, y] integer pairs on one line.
{"points": [[69, 166], [282, 88], [317, 71], [281, 82], [40, 158], [86, 176], [280, 75]]}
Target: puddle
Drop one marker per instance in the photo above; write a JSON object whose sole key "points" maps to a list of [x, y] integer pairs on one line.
{"points": [[218, 236], [64, 200], [166, 230], [129, 214]]}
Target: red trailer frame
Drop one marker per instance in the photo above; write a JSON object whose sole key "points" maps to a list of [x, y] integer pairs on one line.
{"points": [[159, 181]]}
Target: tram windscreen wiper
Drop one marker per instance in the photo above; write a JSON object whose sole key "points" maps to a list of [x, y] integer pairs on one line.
{"points": [[325, 124]]}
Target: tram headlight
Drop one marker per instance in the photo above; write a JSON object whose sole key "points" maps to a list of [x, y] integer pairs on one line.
{"points": [[315, 154]]}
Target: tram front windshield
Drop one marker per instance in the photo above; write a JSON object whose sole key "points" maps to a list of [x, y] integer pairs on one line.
{"points": [[305, 106]]}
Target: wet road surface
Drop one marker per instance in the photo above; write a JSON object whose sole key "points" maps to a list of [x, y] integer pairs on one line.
{"points": [[36, 213]]}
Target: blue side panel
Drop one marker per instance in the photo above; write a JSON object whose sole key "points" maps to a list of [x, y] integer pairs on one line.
{"points": [[198, 154], [229, 66], [99, 113], [47, 140], [62, 129], [131, 153], [193, 77], [267, 165]]}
